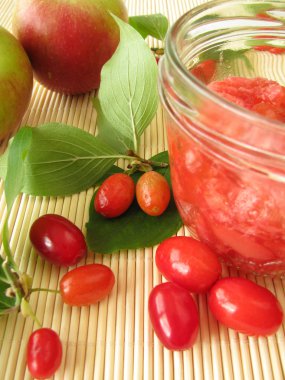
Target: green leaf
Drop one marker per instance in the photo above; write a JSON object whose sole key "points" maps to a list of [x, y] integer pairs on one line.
{"points": [[220, 54], [229, 55], [128, 94], [134, 229], [226, 55], [110, 135], [258, 7], [65, 160], [3, 277], [18, 151], [155, 25], [7, 303], [274, 42], [14, 181], [3, 164], [113, 170], [209, 17]]}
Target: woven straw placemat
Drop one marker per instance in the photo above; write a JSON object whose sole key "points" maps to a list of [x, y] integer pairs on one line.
{"points": [[113, 340]]}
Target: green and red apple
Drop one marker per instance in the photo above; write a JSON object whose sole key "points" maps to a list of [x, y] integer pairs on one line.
{"points": [[68, 41], [16, 83]]}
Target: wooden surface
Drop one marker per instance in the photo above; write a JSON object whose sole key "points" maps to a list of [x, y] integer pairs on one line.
{"points": [[114, 339]]}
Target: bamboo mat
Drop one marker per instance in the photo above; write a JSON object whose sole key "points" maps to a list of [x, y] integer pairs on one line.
{"points": [[114, 339]]}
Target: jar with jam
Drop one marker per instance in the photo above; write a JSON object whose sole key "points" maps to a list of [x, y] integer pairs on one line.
{"points": [[222, 86]]}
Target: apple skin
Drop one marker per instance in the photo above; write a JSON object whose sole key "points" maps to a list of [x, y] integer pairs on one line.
{"points": [[16, 84], [68, 41]]}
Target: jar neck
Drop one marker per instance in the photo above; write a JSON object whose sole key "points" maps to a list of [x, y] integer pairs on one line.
{"points": [[198, 110]]}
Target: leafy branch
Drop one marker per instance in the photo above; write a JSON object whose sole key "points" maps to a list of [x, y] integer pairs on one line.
{"points": [[63, 160], [12, 281], [57, 159]]}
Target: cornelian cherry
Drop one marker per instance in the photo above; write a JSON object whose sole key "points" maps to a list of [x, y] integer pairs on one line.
{"points": [[174, 316], [188, 262], [153, 193], [115, 195], [44, 353], [245, 306], [58, 240], [86, 285], [205, 70]]}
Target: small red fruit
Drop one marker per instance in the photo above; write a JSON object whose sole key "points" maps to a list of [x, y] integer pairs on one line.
{"points": [[270, 49], [58, 240], [188, 262], [44, 353], [153, 193], [205, 70], [115, 195], [246, 307], [174, 316], [86, 285]]}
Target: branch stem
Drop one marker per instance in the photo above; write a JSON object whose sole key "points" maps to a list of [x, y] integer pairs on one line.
{"points": [[133, 156], [6, 245]]}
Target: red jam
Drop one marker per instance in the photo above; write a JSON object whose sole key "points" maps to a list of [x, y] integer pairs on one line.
{"points": [[238, 213], [259, 95]]}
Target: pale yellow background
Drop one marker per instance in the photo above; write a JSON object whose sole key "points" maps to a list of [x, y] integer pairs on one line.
{"points": [[114, 340]]}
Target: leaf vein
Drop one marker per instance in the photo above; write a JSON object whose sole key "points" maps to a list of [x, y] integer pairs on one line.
{"points": [[71, 143]]}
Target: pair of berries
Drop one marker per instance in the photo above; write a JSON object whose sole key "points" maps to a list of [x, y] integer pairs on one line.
{"points": [[117, 193]]}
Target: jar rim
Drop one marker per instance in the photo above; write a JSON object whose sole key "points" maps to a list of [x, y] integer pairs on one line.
{"points": [[171, 51]]}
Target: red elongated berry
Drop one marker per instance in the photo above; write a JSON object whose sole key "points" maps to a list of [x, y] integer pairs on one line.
{"points": [[44, 353], [58, 240], [153, 193], [86, 285], [174, 316], [188, 262], [246, 307], [115, 195]]}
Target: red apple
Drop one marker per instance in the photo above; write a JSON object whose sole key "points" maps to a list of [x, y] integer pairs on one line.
{"points": [[68, 42], [16, 83]]}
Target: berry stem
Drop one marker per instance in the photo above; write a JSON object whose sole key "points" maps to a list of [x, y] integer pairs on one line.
{"points": [[27, 311], [158, 51], [132, 155]]}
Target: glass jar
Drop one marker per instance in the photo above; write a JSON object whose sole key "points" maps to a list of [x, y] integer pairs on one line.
{"points": [[228, 162]]}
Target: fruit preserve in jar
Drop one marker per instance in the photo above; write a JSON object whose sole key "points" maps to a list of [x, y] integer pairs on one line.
{"points": [[222, 85]]}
